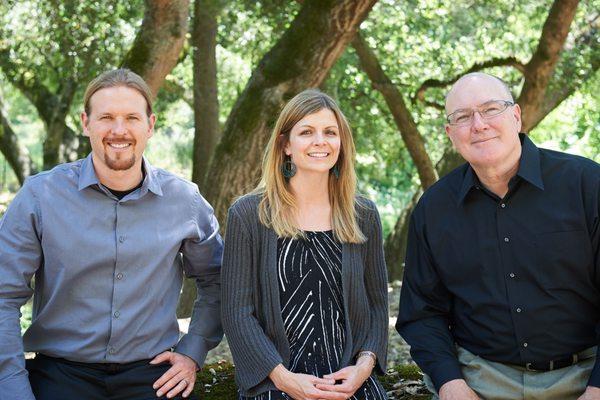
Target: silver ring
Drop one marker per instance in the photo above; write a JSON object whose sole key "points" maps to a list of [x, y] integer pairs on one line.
{"points": [[184, 381]]}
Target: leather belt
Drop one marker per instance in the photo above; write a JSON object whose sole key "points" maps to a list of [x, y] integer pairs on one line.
{"points": [[542, 366]]}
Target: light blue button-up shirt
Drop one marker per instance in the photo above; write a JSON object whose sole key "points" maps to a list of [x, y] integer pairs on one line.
{"points": [[108, 272]]}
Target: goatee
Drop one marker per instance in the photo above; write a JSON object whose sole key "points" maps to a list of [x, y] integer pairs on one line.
{"points": [[119, 164]]}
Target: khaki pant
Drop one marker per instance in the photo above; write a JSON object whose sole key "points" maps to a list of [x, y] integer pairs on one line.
{"points": [[496, 381]]}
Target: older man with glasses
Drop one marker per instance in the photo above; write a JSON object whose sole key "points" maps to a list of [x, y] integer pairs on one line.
{"points": [[501, 292]]}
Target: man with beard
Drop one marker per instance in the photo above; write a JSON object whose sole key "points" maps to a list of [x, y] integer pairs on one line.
{"points": [[108, 239]]}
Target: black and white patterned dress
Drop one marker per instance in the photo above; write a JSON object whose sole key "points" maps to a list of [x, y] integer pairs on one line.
{"points": [[310, 287]]}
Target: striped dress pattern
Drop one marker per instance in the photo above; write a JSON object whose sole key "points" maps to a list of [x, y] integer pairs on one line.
{"points": [[312, 308]]}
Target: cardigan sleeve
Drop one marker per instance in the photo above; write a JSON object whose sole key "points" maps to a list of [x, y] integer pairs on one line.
{"points": [[376, 287], [254, 354]]}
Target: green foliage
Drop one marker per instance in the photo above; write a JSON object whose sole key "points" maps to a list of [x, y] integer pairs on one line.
{"points": [[575, 125], [415, 40], [50, 49], [68, 39]]}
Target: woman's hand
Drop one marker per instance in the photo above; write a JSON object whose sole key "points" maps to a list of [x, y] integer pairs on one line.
{"points": [[302, 386], [352, 378]]}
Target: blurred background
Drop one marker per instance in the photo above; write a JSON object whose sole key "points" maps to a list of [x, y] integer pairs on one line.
{"points": [[222, 70]]}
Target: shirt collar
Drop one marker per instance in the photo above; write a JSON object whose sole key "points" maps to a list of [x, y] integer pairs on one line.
{"points": [[87, 174], [88, 177], [529, 166], [151, 181], [529, 169], [469, 181]]}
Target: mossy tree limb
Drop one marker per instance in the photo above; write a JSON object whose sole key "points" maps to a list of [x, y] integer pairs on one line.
{"points": [[206, 109], [402, 117], [156, 48], [300, 59], [15, 154]]}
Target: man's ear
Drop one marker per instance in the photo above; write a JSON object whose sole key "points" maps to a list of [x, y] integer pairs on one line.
{"points": [[84, 123], [151, 123], [517, 116], [447, 129]]}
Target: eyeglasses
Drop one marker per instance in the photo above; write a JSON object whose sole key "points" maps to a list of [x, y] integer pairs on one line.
{"points": [[487, 110]]}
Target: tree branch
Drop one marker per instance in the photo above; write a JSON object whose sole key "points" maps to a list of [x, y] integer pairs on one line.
{"points": [[156, 48], [28, 84], [300, 59], [540, 68], [569, 74], [17, 156], [494, 62], [402, 117]]}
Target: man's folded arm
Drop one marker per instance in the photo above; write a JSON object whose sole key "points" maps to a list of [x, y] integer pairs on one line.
{"points": [[424, 309], [20, 257], [202, 258]]}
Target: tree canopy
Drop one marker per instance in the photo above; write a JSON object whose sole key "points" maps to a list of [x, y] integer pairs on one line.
{"points": [[225, 68]]}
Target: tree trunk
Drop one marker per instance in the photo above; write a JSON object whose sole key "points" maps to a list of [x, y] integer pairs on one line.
{"points": [[395, 243], [17, 156], [206, 101], [156, 48], [54, 111], [540, 67], [569, 75], [206, 110], [58, 144], [402, 117], [300, 59]]}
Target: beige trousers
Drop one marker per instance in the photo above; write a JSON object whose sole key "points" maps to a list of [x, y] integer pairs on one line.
{"points": [[497, 381]]}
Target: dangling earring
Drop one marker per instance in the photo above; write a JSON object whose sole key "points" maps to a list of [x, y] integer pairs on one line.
{"points": [[288, 168], [336, 171]]}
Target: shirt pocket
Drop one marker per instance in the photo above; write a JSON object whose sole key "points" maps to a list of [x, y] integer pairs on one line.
{"points": [[564, 259]]}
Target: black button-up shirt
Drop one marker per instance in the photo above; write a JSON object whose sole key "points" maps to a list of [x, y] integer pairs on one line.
{"points": [[513, 280]]}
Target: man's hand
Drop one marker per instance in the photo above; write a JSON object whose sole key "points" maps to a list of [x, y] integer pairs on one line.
{"points": [[180, 377], [591, 393], [457, 389]]}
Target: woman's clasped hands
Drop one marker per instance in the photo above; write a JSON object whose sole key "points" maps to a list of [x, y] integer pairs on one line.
{"points": [[309, 387]]}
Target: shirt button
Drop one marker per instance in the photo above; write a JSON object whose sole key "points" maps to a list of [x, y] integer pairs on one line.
{"points": [[506, 239], [512, 275], [112, 350], [525, 344], [121, 239], [519, 309], [503, 205], [117, 314], [119, 276]]}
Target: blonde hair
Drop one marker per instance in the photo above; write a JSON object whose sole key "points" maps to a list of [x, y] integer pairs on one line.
{"points": [[114, 78], [278, 204]]}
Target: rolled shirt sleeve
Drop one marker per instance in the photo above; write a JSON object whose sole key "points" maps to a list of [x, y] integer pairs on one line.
{"points": [[20, 258], [202, 258]]}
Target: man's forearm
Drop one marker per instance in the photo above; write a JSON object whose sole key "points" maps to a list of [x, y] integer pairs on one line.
{"points": [[432, 348], [205, 331]]}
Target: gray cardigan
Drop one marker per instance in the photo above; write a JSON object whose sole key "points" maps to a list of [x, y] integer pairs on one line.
{"points": [[250, 295]]}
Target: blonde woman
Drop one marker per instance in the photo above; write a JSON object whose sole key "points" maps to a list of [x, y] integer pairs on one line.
{"points": [[304, 278]]}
